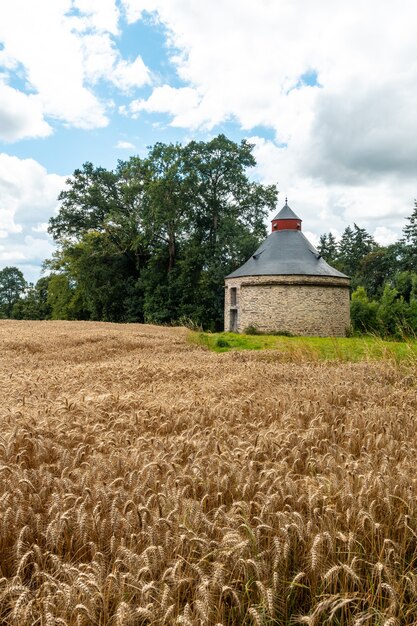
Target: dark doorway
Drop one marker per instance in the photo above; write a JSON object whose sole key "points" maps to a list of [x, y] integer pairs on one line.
{"points": [[233, 320]]}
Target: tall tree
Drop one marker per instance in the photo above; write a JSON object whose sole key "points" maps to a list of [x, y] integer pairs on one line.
{"points": [[377, 268], [169, 226], [12, 287], [105, 202], [228, 215], [166, 206], [328, 247], [354, 245], [410, 229], [409, 241]]}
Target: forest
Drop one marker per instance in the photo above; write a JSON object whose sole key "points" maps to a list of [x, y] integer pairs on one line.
{"points": [[152, 240]]}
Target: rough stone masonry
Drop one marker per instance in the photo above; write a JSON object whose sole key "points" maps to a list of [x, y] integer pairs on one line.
{"points": [[301, 305]]}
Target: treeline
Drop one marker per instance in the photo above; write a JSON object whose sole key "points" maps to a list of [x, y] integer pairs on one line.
{"points": [[152, 240], [383, 278]]}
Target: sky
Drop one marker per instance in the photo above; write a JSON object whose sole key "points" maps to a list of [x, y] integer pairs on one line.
{"points": [[326, 91]]}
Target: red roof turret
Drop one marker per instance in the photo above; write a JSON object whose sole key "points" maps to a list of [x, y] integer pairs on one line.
{"points": [[286, 219]]}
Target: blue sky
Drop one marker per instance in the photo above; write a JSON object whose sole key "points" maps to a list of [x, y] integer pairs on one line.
{"points": [[326, 93]]}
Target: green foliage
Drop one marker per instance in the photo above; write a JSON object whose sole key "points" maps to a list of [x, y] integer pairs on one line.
{"points": [[34, 306], [393, 313], [62, 298], [377, 268], [354, 245], [252, 330], [409, 241], [384, 279], [403, 283], [222, 343], [328, 248], [154, 239], [363, 313], [12, 287]]}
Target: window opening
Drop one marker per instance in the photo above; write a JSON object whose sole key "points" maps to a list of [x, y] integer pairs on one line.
{"points": [[233, 296]]}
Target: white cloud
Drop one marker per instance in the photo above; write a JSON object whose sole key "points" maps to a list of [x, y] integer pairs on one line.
{"points": [[102, 16], [20, 115], [180, 103], [335, 84], [102, 61], [62, 54], [28, 198], [27, 255], [40, 39], [325, 208], [360, 132], [125, 145], [30, 250], [385, 236], [342, 148], [42, 227], [133, 74], [134, 8], [28, 194]]}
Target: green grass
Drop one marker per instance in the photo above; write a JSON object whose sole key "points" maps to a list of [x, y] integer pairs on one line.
{"points": [[311, 348]]}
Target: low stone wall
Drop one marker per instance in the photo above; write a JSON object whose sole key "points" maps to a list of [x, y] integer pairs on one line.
{"points": [[302, 305]]}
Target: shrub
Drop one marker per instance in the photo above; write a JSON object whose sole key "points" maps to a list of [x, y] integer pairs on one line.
{"points": [[282, 333], [364, 313], [252, 330]]}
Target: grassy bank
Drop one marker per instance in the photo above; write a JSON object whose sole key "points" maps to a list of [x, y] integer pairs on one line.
{"points": [[311, 348]]}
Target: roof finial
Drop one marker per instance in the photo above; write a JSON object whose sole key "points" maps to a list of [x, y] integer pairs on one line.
{"points": [[286, 200]]}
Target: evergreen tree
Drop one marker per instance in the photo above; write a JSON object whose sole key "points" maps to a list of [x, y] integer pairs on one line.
{"points": [[328, 248], [377, 268], [410, 229], [409, 242], [354, 245]]}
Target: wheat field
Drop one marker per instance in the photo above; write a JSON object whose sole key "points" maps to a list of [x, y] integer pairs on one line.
{"points": [[147, 481]]}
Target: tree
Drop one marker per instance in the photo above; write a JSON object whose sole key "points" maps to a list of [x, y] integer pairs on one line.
{"points": [[12, 286], [409, 241], [328, 248], [34, 306], [154, 238], [410, 229], [61, 298], [354, 245], [379, 267], [393, 312], [167, 194], [364, 313], [102, 245], [228, 212]]}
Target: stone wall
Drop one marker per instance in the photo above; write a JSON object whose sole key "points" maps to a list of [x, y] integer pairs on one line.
{"points": [[302, 305]]}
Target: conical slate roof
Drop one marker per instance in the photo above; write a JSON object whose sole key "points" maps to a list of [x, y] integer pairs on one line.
{"points": [[286, 252], [286, 214]]}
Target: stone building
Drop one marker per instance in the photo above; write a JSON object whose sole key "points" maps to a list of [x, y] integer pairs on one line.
{"points": [[287, 286]]}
